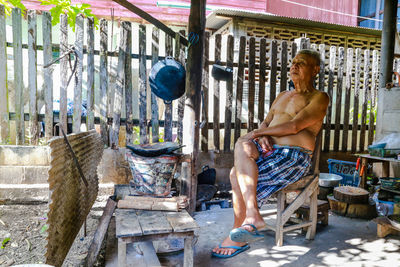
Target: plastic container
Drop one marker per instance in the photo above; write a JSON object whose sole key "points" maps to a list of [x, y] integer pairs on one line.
{"points": [[152, 175], [392, 183], [345, 169], [385, 208]]}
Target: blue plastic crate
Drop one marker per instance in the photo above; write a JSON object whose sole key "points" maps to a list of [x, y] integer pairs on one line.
{"points": [[345, 169]]}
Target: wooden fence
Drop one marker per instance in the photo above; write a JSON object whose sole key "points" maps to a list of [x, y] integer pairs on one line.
{"points": [[261, 68]]}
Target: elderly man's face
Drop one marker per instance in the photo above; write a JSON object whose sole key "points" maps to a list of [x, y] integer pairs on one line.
{"points": [[303, 68]]}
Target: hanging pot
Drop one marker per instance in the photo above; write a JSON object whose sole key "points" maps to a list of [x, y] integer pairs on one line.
{"points": [[221, 73], [167, 79]]}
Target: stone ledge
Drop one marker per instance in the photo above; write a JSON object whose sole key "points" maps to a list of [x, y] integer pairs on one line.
{"points": [[23, 174], [24, 155]]}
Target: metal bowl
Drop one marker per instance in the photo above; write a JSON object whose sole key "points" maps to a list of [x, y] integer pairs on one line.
{"points": [[329, 179]]}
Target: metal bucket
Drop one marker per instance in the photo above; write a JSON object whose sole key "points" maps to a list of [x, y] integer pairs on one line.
{"points": [[152, 175]]}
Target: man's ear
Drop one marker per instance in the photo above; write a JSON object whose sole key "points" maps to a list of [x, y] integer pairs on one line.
{"points": [[316, 70]]}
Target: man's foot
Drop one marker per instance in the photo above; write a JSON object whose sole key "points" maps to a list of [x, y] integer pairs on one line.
{"points": [[248, 232], [221, 250]]}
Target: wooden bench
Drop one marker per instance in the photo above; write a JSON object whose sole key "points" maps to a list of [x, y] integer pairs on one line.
{"points": [[146, 226]]}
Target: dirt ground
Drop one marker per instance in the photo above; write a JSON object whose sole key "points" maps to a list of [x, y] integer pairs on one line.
{"points": [[24, 227]]}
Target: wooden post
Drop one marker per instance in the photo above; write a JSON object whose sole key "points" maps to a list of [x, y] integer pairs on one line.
{"points": [[103, 80], [274, 66], [332, 64], [217, 57], [154, 105], [194, 70], [120, 83], [63, 71], [168, 107], [206, 82], [252, 80], [365, 99], [128, 83], [32, 78], [18, 75], [47, 73], [349, 71], [4, 117], [76, 118], [142, 84], [229, 97], [180, 57], [261, 84], [90, 75], [338, 108], [284, 58], [373, 93], [356, 101], [239, 88]]}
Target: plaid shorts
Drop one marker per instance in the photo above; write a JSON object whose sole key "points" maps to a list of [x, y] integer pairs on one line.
{"points": [[279, 168]]}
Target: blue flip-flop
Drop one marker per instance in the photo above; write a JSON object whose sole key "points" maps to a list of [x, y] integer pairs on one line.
{"points": [[242, 235], [238, 250]]}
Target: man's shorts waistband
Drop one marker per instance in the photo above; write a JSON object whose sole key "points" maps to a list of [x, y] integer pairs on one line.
{"points": [[301, 149]]}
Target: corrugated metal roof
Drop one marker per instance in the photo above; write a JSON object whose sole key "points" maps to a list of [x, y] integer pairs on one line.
{"points": [[220, 17]]}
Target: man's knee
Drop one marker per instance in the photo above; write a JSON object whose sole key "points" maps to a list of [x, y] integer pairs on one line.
{"points": [[246, 148]]}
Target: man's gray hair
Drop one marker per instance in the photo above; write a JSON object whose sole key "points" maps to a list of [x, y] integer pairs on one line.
{"points": [[312, 53]]}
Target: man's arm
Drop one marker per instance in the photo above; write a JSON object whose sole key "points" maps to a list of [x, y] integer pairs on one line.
{"points": [[315, 111]]}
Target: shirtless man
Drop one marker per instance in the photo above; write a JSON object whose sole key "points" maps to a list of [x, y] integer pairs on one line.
{"points": [[277, 154]]}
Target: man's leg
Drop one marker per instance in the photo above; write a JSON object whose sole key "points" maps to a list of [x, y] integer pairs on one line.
{"points": [[239, 211], [246, 154]]}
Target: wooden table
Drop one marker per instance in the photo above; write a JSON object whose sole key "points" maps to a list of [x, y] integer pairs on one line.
{"points": [[366, 158]]}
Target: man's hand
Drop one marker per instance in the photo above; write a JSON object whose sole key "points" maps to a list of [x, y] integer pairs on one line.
{"points": [[265, 142]]}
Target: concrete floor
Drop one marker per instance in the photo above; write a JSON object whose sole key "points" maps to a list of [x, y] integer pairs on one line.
{"points": [[344, 242]]}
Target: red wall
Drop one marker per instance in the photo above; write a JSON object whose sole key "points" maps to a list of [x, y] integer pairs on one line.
{"points": [[287, 9]]}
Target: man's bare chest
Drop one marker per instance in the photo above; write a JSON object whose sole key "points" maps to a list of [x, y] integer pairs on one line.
{"points": [[291, 104]]}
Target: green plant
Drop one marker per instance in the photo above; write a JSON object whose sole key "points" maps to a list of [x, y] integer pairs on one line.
{"points": [[9, 4], [4, 242]]}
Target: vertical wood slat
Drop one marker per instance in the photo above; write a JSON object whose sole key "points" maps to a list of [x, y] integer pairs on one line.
{"points": [[120, 84], [321, 75], [76, 119], [180, 56], [239, 88], [272, 81], [47, 73], [205, 86], [103, 80], [63, 71], [128, 84], [32, 77], [332, 63], [365, 99], [261, 86], [229, 96], [168, 107], [284, 59], [142, 84], [216, 95], [349, 71], [372, 94], [252, 84], [294, 49], [154, 105], [4, 118], [90, 74], [338, 108], [356, 101], [18, 78]]}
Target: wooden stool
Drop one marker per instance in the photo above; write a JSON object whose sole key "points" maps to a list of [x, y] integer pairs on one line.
{"points": [[322, 211], [384, 227], [146, 226]]}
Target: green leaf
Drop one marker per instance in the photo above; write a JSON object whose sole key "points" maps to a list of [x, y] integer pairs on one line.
{"points": [[4, 242], [44, 228]]}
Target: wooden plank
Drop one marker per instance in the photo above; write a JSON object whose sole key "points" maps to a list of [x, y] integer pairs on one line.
{"points": [[127, 223], [372, 96], [154, 105], [261, 86], [153, 222], [121, 253], [272, 81], [332, 64], [189, 251], [76, 117], [365, 99], [103, 80], [338, 107], [18, 76], [90, 75], [4, 117], [239, 88], [346, 113], [229, 97], [284, 59], [128, 84], [149, 253], [181, 221], [100, 233], [217, 57], [356, 101], [32, 78], [321, 75], [63, 71], [294, 49], [142, 84], [180, 56], [205, 86], [252, 85], [168, 107]]}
